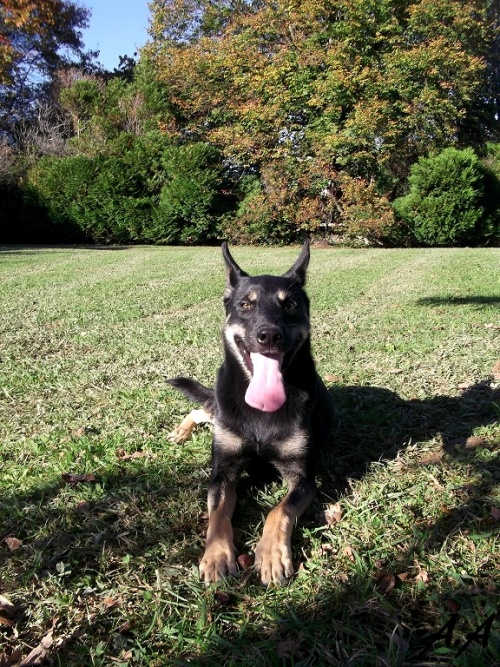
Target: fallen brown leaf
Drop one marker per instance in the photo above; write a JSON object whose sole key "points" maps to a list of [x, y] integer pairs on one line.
{"points": [[245, 561], [13, 543], [330, 515], [11, 659], [495, 513], [386, 583], [39, 654], [288, 648], [474, 441], [332, 378], [73, 478], [122, 455], [6, 605], [495, 371], [349, 552], [422, 576], [221, 598]]}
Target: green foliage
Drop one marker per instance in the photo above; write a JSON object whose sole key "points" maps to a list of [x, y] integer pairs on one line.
{"points": [[109, 198], [365, 213], [362, 87], [454, 199], [190, 199], [145, 190], [319, 133]]}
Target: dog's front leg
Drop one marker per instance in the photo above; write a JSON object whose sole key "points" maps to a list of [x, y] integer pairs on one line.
{"points": [[219, 558], [273, 555]]}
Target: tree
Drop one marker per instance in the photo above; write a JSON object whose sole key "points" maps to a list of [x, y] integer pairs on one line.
{"points": [[35, 38], [362, 86]]}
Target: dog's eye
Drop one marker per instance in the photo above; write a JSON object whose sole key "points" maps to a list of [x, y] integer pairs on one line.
{"points": [[289, 304], [246, 305]]}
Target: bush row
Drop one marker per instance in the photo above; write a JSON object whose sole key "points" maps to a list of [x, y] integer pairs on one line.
{"points": [[147, 190]]}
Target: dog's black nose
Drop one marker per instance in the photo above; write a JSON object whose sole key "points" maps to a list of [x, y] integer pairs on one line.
{"points": [[269, 336]]}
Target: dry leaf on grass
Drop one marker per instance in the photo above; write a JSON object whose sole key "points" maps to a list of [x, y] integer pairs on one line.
{"points": [[73, 478], [422, 577], [386, 583], [350, 553], [124, 456], [330, 515], [39, 654], [11, 659], [495, 371], [289, 648], [495, 513], [245, 561], [6, 605], [13, 543]]}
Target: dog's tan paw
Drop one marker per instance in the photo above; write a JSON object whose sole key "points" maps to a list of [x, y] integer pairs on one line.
{"points": [[179, 434], [217, 563], [273, 560]]}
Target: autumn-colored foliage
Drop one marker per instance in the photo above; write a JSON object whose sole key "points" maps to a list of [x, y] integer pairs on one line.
{"points": [[43, 25], [263, 120], [364, 87]]}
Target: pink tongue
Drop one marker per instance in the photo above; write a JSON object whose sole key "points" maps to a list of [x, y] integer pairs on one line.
{"points": [[266, 390]]}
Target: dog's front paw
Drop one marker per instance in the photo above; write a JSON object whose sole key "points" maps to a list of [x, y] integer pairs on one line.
{"points": [[273, 560], [218, 562], [179, 434]]}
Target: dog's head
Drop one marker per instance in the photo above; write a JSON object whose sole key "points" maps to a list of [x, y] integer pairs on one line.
{"points": [[267, 321]]}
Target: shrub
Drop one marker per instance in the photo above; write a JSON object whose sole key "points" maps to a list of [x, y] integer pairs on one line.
{"points": [[97, 195], [453, 199], [107, 198], [365, 213], [190, 201]]}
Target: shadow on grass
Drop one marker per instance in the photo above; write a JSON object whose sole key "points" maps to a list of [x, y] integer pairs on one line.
{"points": [[459, 301], [140, 515], [33, 249]]}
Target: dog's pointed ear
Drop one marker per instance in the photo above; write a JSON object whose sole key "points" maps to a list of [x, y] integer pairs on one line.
{"points": [[298, 271], [234, 273]]}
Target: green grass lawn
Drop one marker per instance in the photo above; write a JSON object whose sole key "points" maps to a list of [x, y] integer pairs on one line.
{"points": [[102, 520]]}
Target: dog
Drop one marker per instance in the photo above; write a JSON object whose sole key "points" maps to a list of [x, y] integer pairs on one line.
{"points": [[269, 406]]}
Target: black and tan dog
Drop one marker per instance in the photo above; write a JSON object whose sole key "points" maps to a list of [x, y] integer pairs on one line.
{"points": [[269, 405]]}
